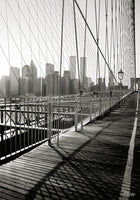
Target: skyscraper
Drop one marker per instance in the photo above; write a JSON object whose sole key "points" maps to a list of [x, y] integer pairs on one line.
{"points": [[23, 85], [83, 70], [14, 81], [30, 72], [32, 77], [50, 84], [49, 69], [56, 83], [49, 79], [65, 83], [25, 71], [72, 66], [4, 86], [33, 70]]}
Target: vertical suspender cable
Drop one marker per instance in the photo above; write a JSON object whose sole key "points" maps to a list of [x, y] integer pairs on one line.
{"points": [[8, 41], [76, 41], [111, 43], [118, 14], [61, 54], [85, 37], [120, 62], [97, 21], [106, 38], [115, 38], [77, 54], [61, 50], [38, 39], [7, 23], [44, 15], [134, 50], [113, 29], [29, 14], [21, 87], [94, 40]]}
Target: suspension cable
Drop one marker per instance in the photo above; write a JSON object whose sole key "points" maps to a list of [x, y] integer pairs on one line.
{"points": [[95, 41], [84, 55], [61, 50], [76, 41], [97, 22]]}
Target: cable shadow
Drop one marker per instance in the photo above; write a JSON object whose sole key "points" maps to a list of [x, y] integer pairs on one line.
{"points": [[80, 175]]}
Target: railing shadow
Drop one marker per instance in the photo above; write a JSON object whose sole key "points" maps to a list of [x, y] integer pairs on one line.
{"points": [[75, 177]]}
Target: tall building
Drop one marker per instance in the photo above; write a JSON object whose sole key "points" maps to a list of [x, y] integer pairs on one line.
{"points": [[14, 81], [25, 71], [66, 74], [38, 90], [72, 67], [65, 83], [49, 79], [23, 85], [50, 84], [56, 83], [74, 86], [32, 77], [30, 72], [49, 69], [33, 69], [83, 70], [5, 86]]}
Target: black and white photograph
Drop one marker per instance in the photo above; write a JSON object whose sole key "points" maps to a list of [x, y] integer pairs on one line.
{"points": [[69, 100]]}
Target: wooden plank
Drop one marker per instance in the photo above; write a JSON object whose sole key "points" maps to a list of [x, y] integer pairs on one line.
{"points": [[10, 195]]}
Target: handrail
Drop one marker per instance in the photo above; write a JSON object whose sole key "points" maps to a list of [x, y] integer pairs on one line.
{"points": [[24, 125]]}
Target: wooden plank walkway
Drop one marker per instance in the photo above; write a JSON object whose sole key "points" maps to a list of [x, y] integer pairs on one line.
{"points": [[88, 164]]}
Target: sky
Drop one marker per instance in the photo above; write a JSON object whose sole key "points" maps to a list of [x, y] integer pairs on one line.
{"points": [[53, 37], [137, 21]]}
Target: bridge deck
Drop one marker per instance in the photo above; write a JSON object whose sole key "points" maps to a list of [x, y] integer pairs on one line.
{"points": [[88, 164]]}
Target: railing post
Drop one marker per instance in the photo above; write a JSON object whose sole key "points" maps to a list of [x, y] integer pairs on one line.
{"points": [[50, 123], [2, 116], [90, 111], [81, 107], [100, 104], [45, 114], [2, 142], [76, 114], [16, 121]]}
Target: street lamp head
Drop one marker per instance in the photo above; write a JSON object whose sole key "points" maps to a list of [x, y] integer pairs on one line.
{"points": [[120, 74]]}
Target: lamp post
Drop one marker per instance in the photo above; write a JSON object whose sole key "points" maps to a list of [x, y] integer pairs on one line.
{"points": [[120, 76]]}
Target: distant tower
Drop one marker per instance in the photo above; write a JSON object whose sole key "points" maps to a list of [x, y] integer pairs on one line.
{"points": [[5, 86], [56, 83], [14, 81], [49, 69], [32, 77], [33, 70], [25, 71], [72, 66], [65, 83], [29, 73], [49, 79], [83, 69]]}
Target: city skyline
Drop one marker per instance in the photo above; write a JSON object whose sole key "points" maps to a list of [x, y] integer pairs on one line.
{"points": [[27, 80], [42, 44]]}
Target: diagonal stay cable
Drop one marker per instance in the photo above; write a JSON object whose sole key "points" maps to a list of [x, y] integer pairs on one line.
{"points": [[95, 40]]}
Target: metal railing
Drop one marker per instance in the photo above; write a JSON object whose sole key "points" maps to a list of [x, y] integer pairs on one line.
{"points": [[26, 122]]}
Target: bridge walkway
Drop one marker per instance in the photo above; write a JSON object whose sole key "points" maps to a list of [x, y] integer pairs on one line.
{"points": [[95, 163]]}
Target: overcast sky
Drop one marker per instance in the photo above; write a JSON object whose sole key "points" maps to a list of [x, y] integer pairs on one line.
{"points": [[53, 13], [137, 5]]}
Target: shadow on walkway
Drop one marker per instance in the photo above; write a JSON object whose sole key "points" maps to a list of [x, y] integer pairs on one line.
{"points": [[90, 172]]}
